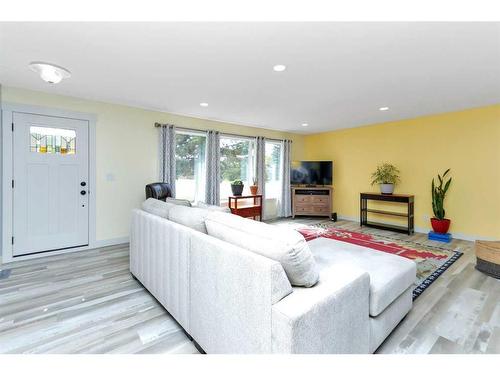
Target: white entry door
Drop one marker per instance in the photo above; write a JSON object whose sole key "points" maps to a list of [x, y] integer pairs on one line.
{"points": [[50, 185]]}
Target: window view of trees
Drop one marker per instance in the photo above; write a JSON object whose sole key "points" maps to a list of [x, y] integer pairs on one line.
{"points": [[190, 166], [236, 163], [234, 159]]}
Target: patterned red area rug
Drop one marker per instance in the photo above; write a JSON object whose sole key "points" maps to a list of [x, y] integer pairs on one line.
{"points": [[431, 261]]}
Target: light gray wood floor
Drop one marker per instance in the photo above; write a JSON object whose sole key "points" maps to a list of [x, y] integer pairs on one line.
{"points": [[84, 302], [87, 302]]}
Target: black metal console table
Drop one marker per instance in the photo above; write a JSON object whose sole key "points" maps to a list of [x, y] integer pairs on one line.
{"points": [[399, 198]]}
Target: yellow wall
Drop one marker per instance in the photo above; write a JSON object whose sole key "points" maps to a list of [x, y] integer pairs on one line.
{"points": [[468, 142], [127, 147]]}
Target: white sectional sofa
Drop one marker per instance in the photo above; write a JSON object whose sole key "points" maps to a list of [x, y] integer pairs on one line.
{"points": [[228, 282]]}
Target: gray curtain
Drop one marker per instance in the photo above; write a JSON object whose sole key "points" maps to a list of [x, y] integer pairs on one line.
{"points": [[285, 203], [167, 155], [260, 161], [212, 186]]}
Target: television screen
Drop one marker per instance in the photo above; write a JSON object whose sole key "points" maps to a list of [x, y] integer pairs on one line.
{"points": [[311, 173]]}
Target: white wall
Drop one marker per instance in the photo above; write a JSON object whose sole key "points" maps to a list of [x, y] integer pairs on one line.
{"points": [[127, 151]]}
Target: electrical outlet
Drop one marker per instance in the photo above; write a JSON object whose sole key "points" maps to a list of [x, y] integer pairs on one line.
{"points": [[426, 217]]}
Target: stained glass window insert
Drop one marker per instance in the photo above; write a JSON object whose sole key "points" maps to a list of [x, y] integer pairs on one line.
{"points": [[52, 140]]}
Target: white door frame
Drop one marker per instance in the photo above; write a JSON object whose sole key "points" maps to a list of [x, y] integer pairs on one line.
{"points": [[7, 175]]}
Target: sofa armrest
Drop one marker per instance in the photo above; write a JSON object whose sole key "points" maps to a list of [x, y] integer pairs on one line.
{"points": [[232, 291], [332, 317]]}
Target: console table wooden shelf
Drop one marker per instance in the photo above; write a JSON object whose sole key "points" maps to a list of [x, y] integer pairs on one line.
{"points": [[246, 209], [398, 198]]}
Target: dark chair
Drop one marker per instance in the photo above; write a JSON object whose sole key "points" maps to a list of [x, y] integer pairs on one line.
{"points": [[158, 190]]}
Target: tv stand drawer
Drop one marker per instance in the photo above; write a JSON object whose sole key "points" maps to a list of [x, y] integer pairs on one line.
{"points": [[303, 199], [322, 199], [321, 209]]}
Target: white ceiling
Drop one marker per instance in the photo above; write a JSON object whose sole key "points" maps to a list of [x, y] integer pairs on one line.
{"points": [[338, 74]]}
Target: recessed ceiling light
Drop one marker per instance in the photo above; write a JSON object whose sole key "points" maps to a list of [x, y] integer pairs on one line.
{"points": [[50, 73], [383, 109], [204, 104], [279, 68], [305, 124]]}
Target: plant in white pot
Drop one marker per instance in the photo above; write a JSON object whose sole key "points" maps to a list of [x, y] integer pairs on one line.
{"points": [[386, 175]]}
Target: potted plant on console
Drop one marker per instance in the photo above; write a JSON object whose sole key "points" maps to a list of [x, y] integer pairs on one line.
{"points": [[237, 187], [386, 175], [255, 187], [439, 223]]}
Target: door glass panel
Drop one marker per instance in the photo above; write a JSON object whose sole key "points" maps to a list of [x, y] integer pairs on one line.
{"points": [[52, 140]]}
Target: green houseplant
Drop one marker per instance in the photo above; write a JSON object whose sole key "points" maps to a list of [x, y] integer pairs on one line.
{"points": [[386, 175], [439, 223], [237, 187]]}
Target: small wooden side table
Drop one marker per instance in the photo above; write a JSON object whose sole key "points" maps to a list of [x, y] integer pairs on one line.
{"points": [[245, 208]]}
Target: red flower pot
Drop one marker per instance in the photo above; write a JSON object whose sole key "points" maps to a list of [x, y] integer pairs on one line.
{"points": [[440, 226]]}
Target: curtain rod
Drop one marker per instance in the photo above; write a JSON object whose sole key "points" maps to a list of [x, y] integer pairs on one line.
{"points": [[159, 125]]}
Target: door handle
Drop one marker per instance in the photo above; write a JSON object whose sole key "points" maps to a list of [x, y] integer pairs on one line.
{"points": [[83, 192], [83, 183]]}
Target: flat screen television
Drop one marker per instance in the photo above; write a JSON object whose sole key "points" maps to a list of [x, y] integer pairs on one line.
{"points": [[311, 173]]}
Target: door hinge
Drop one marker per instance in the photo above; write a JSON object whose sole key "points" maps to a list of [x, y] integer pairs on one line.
{"points": [[12, 126], [12, 240], [12, 184]]}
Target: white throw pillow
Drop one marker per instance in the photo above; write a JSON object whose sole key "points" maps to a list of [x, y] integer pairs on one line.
{"points": [[286, 246], [211, 207], [191, 217], [157, 207], [179, 202]]}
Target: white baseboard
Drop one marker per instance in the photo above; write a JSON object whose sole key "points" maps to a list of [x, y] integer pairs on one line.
{"points": [[458, 236], [111, 242], [97, 244]]}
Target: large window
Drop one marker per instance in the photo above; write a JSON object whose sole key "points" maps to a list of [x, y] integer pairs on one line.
{"points": [[273, 170], [190, 165], [237, 163]]}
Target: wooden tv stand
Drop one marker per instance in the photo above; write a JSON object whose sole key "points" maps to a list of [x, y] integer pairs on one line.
{"points": [[312, 201]]}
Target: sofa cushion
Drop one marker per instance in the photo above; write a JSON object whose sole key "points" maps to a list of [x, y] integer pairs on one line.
{"points": [[211, 207], [157, 207], [390, 275], [179, 202], [191, 217], [381, 326], [286, 246]]}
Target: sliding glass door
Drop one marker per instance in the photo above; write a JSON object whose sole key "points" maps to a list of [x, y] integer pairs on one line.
{"points": [[273, 170], [237, 163], [190, 165]]}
